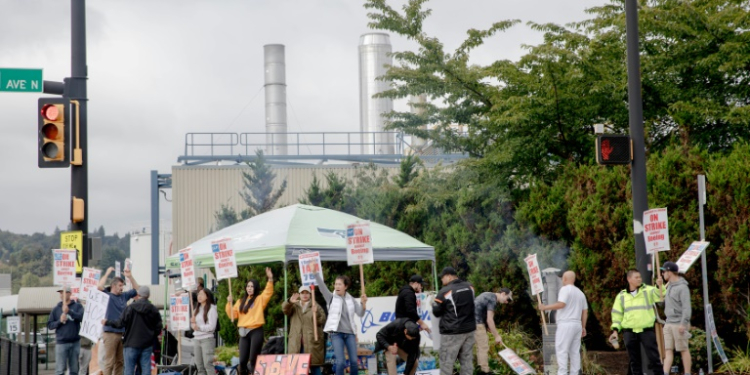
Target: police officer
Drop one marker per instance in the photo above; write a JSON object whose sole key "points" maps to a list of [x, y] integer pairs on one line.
{"points": [[633, 314]]}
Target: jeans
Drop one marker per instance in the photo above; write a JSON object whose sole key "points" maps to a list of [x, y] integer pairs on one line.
{"points": [[137, 355], [66, 357], [339, 341]]}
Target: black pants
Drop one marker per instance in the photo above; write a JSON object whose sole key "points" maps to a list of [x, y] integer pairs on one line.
{"points": [[250, 347], [633, 342]]}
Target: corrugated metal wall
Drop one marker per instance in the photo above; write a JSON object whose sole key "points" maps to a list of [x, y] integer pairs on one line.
{"points": [[199, 191]]}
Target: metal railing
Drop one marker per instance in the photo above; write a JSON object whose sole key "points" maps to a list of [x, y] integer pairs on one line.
{"points": [[17, 358], [325, 143]]}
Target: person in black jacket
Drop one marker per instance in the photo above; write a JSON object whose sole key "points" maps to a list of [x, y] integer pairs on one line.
{"points": [[406, 302], [454, 305], [400, 337], [142, 323], [66, 319]]}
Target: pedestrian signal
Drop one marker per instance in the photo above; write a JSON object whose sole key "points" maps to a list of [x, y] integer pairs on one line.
{"points": [[612, 149]]}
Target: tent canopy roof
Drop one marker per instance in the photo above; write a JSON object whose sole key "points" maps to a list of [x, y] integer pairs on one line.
{"points": [[282, 234]]}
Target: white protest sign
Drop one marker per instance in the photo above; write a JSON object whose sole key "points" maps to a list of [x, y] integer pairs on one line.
{"points": [[714, 335], [224, 260], [309, 266], [14, 324], [656, 230], [117, 269], [534, 275], [65, 267], [75, 290], [89, 280], [359, 244], [516, 363], [382, 310], [179, 312], [128, 264], [96, 310], [187, 268], [691, 255]]}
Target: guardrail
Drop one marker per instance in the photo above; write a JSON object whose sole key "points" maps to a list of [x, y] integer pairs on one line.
{"points": [[17, 358]]}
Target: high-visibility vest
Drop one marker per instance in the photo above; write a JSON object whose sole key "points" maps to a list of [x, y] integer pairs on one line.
{"points": [[635, 312]]}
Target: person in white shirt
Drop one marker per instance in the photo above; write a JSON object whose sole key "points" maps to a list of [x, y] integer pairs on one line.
{"points": [[203, 323], [571, 324]]}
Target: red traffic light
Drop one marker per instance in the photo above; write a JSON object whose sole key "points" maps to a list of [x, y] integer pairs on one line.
{"points": [[50, 112]]}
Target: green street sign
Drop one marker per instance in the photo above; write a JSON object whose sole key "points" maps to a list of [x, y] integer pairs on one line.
{"points": [[21, 80]]}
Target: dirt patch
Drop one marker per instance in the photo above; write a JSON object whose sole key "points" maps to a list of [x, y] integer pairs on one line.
{"points": [[614, 363]]}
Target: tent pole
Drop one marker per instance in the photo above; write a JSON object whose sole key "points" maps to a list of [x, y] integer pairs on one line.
{"points": [[434, 275], [286, 318]]}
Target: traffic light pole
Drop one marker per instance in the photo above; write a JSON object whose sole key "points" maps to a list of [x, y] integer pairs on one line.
{"points": [[638, 168], [75, 89]]}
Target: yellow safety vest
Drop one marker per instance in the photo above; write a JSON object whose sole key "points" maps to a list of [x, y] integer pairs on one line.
{"points": [[636, 313]]}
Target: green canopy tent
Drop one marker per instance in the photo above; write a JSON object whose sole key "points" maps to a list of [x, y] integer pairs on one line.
{"points": [[283, 234]]}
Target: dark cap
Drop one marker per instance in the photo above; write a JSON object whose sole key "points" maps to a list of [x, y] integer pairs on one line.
{"points": [[412, 329], [448, 271], [417, 279], [670, 266], [507, 292]]}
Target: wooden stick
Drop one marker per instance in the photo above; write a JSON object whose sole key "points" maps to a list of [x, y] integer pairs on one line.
{"points": [[657, 325], [362, 277], [314, 311], [544, 321], [231, 310]]}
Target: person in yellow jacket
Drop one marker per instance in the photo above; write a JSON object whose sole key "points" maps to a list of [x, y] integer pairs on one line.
{"points": [[633, 314], [249, 312]]}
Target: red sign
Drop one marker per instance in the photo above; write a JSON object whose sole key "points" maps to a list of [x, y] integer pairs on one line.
{"points": [[282, 364]]}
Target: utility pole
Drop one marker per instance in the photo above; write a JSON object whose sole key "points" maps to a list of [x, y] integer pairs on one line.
{"points": [[75, 89]]}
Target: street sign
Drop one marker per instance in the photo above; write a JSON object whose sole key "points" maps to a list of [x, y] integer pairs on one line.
{"points": [[74, 241], [21, 80]]}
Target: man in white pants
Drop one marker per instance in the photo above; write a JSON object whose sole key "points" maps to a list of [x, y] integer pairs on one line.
{"points": [[571, 324]]}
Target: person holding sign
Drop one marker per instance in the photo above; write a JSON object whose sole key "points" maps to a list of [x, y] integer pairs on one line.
{"points": [[340, 323], [633, 314], [400, 338], [299, 309], [112, 336], [454, 305], [66, 320], [250, 319], [484, 313], [203, 324], [678, 310], [142, 323], [571, 324]]}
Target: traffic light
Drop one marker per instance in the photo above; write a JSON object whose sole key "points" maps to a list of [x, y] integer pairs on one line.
{"points": [[613, 149], [54, 127]]}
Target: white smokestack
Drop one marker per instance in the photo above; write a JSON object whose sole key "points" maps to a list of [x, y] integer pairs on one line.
{"points": [[275, 67], [374, 55]]}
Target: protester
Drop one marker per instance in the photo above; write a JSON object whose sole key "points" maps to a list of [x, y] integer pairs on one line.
{"points": [[203, 323], [301, 335], [250, 319], [65, 319], [200, 284], [399, 338], [633, 314], [340, 323], [678, 310], [84, 358], [484, 313], [406, 302], [111, 336], [571, 324], [454, 305], [142, 323]]}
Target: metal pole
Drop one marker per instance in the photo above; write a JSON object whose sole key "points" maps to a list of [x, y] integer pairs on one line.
{"points": [[75, 88], [704, 271], [155, 228], [638, 167]]}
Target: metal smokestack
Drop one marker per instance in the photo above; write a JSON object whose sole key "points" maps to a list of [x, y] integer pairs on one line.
{"points": [[275, 68], [374, 55]]}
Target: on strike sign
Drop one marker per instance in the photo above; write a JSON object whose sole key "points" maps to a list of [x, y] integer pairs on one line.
{"points": [[691, 254], [516, 363], [89, 280], [534, 275], [65, 267], [179, 312], [309, 266], [187, 268], [224, 261], [359, 244], [656, 230]]}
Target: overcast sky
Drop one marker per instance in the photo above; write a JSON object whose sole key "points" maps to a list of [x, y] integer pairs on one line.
{"points": [[159, 69]]}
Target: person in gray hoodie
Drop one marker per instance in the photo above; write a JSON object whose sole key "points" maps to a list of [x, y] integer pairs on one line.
{"points": [[678, 310]]}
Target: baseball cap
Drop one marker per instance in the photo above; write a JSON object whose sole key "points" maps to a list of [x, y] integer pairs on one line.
{"points": [[670, 266], [448, 271], [412, 329], [144, 291], [304, 288], [417, 279], [507, 292], [66, 289]]}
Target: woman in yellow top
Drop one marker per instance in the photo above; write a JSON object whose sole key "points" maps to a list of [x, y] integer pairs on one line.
{"points": [[250, 319]]}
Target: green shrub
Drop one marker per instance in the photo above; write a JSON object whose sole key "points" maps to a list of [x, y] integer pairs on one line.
{"points": [[739, 361], [225, 353]]}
